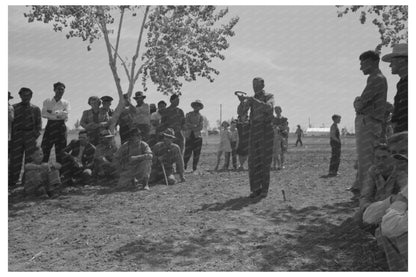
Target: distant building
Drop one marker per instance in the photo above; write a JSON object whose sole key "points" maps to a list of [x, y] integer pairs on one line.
{"points": [[317, 131]]}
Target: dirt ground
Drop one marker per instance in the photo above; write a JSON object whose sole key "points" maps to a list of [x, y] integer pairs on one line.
{"points": [[207, 223]]}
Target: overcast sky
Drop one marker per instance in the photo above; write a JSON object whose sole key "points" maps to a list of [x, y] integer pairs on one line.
{"points": [[306, 54]]}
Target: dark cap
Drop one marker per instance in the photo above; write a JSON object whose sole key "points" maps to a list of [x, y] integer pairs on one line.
{"points": [[106, 98], [10, 95], [25, 91], [169, 133]]}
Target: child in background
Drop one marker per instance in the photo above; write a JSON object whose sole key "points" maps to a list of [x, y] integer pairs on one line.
{"points": [[335, 142], [234, 142], [225, 145], [277, 148], [40, 178]]}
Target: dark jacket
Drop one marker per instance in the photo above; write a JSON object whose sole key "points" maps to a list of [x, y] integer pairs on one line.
{"points": [[400, 116], [88, 155], [27, 118]]}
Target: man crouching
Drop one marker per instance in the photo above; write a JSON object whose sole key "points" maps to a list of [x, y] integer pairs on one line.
{"points": [[135, 160], [166, 153]]}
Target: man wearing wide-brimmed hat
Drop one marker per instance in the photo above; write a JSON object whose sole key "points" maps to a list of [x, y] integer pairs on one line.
{"points": [[104, 162], [142, 115], [168, 153], [194, 123], [398, 60]]}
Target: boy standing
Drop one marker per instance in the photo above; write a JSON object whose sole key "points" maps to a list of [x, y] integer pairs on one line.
{"points": [[335, 142]]}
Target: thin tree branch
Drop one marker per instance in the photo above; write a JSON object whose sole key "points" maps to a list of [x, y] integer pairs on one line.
{"points": [[139, 41], [119, 32]]}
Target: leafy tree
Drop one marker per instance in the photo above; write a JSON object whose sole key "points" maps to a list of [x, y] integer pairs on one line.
{"points": [[173, 41], [391, 21]]}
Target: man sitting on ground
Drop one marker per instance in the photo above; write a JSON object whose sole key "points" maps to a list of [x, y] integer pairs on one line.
{"points": [[104, 166], [78, 160], [40, 178], [134, 159], [167, 153]]}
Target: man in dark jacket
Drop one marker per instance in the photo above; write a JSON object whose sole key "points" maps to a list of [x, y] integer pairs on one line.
{"points": [[26, 128], [78, 159]]}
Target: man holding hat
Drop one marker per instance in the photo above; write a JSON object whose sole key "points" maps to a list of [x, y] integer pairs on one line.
{"points": [[56, 110], [104, 162], [106, 104], [174, 118], [398, 60], [134, 159], [168, 153], [142, 116], [194, 122], [261, 137], [26, 128]]}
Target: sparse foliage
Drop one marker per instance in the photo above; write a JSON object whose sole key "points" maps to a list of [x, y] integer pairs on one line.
{"points": [[391, 21]]}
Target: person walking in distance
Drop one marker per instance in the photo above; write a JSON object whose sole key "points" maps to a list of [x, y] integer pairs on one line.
{"points": [[261, 138], [224, 146], [299, 134], [370, 110], [55, 110], [26, 128], [194, 123]]}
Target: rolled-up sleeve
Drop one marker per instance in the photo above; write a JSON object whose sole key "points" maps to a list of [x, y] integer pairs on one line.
{"points": [[395, 222], [375, 211]]}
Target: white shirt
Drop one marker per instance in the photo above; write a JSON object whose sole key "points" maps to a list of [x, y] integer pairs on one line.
{"points": [[154, 117], [58, 110], [142, 114]]}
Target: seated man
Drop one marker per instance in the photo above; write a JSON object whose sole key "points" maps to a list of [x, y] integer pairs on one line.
{"points": [[134, 159], [382, 180], [104, 163], [166, 153], [78, 160], [40, 178], [391, 213]]}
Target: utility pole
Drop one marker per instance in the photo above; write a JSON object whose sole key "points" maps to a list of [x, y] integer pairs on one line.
{"points": [[220, 114], [309, 119]]}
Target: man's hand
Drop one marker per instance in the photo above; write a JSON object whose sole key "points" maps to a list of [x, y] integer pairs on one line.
{"points": [[357, 103], [45, 166]]}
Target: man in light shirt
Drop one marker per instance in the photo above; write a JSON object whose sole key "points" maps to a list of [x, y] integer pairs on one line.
{"points": [[56, 110], [142, 116], [155, 122]]}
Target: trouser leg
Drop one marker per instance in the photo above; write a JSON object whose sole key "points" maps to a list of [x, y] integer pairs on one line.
{"points": [[267, 156], [17, 150], [189, 146]]}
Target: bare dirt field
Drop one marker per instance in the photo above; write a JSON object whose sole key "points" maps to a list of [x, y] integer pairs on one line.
{"points": [[207, 223]]}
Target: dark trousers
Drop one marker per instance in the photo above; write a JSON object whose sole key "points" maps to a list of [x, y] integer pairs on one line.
{"points": [[22, 142], [193, 146], [335, 157], [233, 156], [260, 156], [55, 134], [71, 169], [299, 140]]}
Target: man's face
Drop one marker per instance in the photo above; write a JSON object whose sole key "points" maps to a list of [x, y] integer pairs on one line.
{"points": [[257, 86], [95, 103], [397, 63], [167, 140], [175, 102], [106, 104], [59, 92], [37, 157], [277, 111], [400, 148], [161, 107], [26, 97], [383, 160], [139, 101], [83, 139], [366, 66]]}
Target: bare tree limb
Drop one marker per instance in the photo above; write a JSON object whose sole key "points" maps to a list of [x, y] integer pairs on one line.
{"points": [[119, 32]]}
